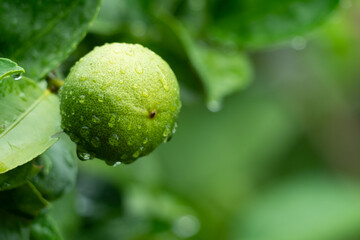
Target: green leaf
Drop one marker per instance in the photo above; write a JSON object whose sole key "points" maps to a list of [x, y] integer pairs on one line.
{"points": [[39, 35], [309, 207], [8, 68], [221, 71], [29, 119], [13, 227], [18, 176], [59, 171], [258, 23], [44, 228], [25, 200]]}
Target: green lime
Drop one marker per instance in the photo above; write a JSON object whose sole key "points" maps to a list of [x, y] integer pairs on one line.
{"points": [[119, 102]]}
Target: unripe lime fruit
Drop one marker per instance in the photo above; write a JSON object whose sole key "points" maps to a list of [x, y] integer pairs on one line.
{"points": [[119, 102]]}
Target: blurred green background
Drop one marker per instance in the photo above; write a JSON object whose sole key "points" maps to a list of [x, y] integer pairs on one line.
{"points": [[268, 142]]}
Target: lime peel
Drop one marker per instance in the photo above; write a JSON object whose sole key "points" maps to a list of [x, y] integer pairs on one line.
{"points": [[119, 102]]}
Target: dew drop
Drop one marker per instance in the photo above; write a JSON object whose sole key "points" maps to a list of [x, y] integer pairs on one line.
{"points": [[166, 131], [136, 154], [116, 164], [106, 85], [83, 155], [114, 140], [167, 134], [130, 52], [95, 119], [138, 68], [162, 79], [112, 120], [84, 132], [174, 128], [214, 106], [81, 99], [101, 97], [17, 76], [145, 94], [96, 142]]}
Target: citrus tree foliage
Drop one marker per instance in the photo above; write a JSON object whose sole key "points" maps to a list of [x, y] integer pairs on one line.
{"points": [[209, 45]]}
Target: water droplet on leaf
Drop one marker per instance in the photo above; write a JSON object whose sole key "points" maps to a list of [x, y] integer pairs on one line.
{"points": [[214, 106], [17, 76]]}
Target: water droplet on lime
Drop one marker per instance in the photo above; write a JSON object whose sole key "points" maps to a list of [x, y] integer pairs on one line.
{"points": [[84, 132], [83, 155], [81, 99], [114, 140], [95, 119], [96, 142], [101, 98]]}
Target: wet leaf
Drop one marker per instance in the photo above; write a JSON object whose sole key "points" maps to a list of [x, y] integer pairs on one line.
{"points": [[13, 227], [25, 200], [39, 35], [44, 228], [29, 118], [222, 71], [59, 169], [9, 68], [18, 176], [256, 23]]}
